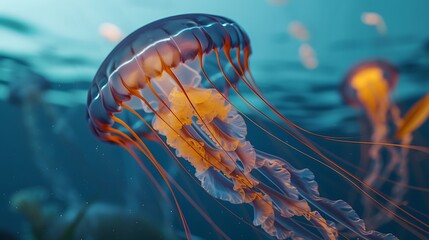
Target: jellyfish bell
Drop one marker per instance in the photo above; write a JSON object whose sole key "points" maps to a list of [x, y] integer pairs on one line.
{"points": [[368, 81], [135, 65], [174, 76]]}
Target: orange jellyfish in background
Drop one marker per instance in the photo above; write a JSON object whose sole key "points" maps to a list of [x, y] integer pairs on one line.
{"points": [[369, 86], [173, 77], [414, 118]]}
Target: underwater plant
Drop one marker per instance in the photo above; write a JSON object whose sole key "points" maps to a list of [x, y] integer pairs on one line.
{"points": [[47, 220]]}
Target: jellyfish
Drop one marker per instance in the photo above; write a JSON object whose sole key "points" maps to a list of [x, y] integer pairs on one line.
{"points": [[368, 86], [374, 19], [173, 80], [414, 118], [307, 54], [298, 31], [110, 32]]}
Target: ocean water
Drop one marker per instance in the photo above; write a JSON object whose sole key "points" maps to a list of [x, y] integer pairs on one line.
{"points": [[59, 181]]}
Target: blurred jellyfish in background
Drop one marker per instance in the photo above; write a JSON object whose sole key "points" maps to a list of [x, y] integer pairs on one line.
{"points": [[110, 32], [298, 30], [369, 86], [414, 118], [376, 20], [307, 54], [277, 2]]}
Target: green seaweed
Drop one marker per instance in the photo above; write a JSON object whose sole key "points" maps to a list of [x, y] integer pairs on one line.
{"points": [[69, 232]]}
